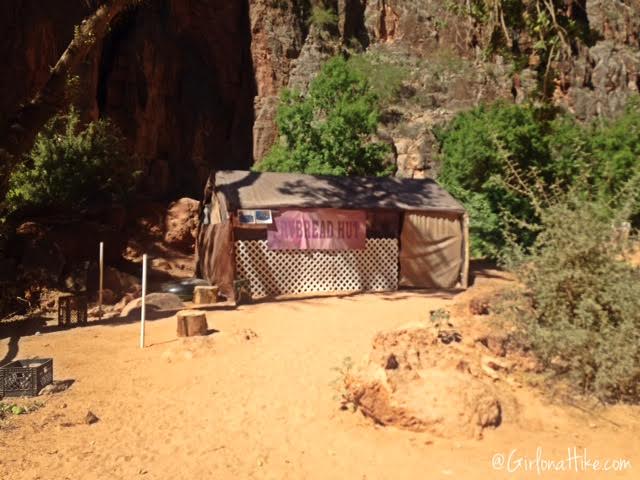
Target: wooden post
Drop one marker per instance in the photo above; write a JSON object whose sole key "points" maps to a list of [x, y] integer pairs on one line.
{"points": [[191, 323], [100, 288], [467, 251], [144, 295]]}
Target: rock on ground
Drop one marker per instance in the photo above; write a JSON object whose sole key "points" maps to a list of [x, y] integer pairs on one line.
{"points": [[91, 418], [154, 301]]}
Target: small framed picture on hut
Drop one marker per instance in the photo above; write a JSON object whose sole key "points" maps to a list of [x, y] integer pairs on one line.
{"points": [[247, 217], [264, 216]]}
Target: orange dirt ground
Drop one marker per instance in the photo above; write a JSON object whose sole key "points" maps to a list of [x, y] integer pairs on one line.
{"points": [[254, 400]]}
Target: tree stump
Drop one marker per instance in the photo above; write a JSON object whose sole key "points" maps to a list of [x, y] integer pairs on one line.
{"points": [[192, 323], [204, 294]]}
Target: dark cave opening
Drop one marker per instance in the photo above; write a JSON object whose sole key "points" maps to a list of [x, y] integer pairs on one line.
{"points": [[177, 78]]}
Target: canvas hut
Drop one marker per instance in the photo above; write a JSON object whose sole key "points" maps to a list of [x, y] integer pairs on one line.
{"points": [[291, 233]]}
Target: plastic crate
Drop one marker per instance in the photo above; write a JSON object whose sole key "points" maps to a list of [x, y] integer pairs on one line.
{"points": [[242, 289], [72, 309], [22, 378]]}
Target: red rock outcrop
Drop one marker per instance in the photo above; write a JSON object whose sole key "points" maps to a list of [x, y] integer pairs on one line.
{"points": [[181, 224], [422, 379], [277, 36], [175, 76], [33, 35], [193, 84]]}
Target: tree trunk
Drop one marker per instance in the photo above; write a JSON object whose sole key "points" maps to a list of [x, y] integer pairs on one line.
{"points": [[18, 135], [191, 323]]}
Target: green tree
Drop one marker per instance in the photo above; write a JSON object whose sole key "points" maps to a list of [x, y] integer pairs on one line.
{"points": [[70, 167], [605, 153], [491, 153], [329, 130], [616, 150], [478, 148]]}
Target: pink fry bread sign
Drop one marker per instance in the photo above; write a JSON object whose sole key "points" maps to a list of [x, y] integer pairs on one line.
{"points": [[319, 229]]}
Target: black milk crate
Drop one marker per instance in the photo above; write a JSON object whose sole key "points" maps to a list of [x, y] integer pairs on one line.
{"points": [[242, 289], [25, 377], [72, 309]]}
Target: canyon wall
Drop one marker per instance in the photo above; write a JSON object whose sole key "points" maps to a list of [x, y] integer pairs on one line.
{"points": [[194, 84], [176, 77]]}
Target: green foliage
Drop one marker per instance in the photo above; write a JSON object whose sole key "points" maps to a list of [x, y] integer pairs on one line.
{"points": [[570, 148], [615, 146], [580, 302], [71, 166], [7, 409], [323, 17], [603, 155], [342, 385], [329, 130], [10, 409], [475, 148], [490, 154], [384, 77]]}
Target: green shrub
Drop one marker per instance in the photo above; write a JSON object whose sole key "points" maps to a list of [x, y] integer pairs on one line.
{"points": [[71, 166], [603, 155], [323, 17], [579, 307], [329, 130], [570, 150], [476, 147], [616, 151], [384, 77], [482, 149]]}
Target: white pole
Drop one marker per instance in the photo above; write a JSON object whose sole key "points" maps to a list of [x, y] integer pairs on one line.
{"points": [[101, 280], [144, 294]]}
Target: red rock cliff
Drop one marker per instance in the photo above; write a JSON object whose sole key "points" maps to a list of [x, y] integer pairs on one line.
{"points": [[193, 84]]}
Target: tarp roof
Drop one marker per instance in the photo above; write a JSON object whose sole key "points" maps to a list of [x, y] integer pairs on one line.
{"points": [[242, 189]]}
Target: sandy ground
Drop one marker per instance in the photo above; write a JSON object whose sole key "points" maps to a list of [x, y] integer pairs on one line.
{"points": [[234, 405]]}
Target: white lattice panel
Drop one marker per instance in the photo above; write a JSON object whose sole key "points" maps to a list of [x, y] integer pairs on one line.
{"points": [[276, 272]]}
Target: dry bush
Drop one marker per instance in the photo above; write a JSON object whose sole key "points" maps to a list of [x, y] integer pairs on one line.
{"points": [[579, 308]]}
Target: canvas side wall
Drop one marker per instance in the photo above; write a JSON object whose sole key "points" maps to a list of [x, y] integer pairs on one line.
{"points": [[215, 256], [216, 260], [432, 250]]}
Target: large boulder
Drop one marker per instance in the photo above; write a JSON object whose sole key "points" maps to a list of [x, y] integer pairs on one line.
{"points": [[157, 305], [181, 223], [446, 403]]}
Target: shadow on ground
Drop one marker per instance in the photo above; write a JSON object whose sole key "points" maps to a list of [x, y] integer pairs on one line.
{"points": [[14, 330]]}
